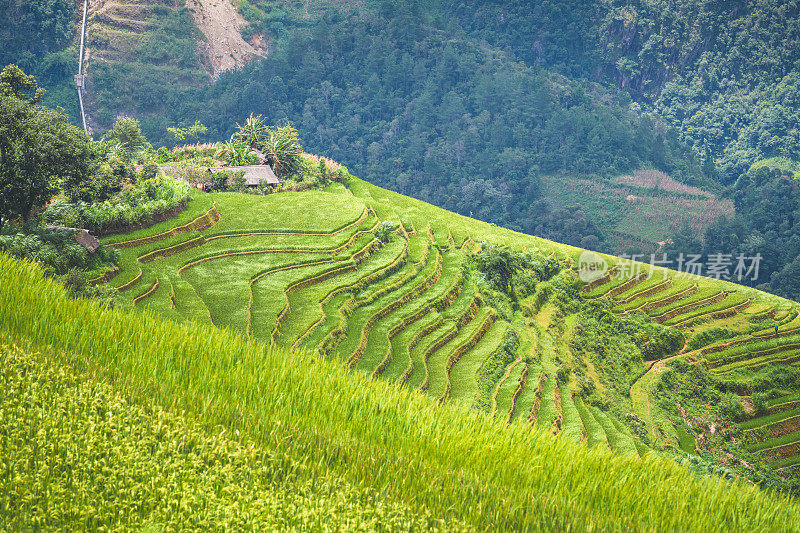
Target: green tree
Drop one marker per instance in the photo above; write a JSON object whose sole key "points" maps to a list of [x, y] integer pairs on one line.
{"points": [[499, 263], [283, 151], [32, 28], [14, 82], [254, 132], [39, 149], [195, 131], [127, 133]]}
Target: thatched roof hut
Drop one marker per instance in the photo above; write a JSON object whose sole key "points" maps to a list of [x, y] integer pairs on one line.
{"points": [[254, 174]]}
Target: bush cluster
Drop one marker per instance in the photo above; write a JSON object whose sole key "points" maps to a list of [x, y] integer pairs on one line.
{"points": [[133, 204], [57, 251]]}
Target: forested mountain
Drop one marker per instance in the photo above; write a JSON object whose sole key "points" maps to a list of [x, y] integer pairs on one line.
{"points": [[471, 104], [37, 37], [723, 72]]}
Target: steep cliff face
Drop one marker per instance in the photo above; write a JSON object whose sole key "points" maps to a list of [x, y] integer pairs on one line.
{"points": [[158, 43], [221, 25], [119, 29]]}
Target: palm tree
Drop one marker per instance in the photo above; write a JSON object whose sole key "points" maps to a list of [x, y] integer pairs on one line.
{"points": [[283, 151], [254, 133]]}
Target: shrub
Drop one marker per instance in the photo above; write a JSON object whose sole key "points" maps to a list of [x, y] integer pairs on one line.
{"points": [[731, 407], [132, 205], [57, 251], [704, 338], [760, 403], [283, 151], [384, 231], [127, 135], [562, 375], [149, 171], [219, 180]]}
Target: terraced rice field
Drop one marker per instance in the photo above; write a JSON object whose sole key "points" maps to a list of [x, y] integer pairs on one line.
{"points": [[305, 270], [694, 305]]}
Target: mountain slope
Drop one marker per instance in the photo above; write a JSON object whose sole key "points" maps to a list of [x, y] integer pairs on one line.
{"points": [[305, 270], [302, 408]]}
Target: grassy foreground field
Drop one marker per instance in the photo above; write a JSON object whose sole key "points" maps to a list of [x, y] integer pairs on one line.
{"points": [[403, 457]]}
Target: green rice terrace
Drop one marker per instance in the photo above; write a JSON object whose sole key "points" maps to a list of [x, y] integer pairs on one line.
{"points": [[673, 384], [307, 270]]}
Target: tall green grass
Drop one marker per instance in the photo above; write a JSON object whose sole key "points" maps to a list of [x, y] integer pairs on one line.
{"points": [[452, 462], [77, 455]]}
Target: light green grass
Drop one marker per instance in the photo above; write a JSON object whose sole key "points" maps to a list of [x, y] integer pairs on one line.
{"points": [[571, 424], [506, 390], [310, 409], [768, 420], [305, 304], [777, 442], [437, 364], [619, 441], [462, 375], [547, 409], [790, 398], [87, 457], [524, 403], [595, 435], [314, 211]]}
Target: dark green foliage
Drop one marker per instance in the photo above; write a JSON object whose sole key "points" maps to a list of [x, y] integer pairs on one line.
{"points": [[705, 465], [510, 343], [430, 113], [701, 65], [126, 135], [57, 251], [39, 150], [105, 182], [219, 180], [686, 383], [32, 29], [159, 74], [760, 403], [767, 223], [619, 346], [731, 407], [133, 204], [283, 150], [562, 374], [514, 273], [764, 379], [78, 286], [499, 264], [709, 336]]}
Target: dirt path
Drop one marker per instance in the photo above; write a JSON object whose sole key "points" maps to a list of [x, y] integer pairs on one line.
{"points": [[221, 25]]}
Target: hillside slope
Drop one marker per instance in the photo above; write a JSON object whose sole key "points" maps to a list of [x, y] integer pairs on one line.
{"points": [[441, 462], [306, 270]]}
